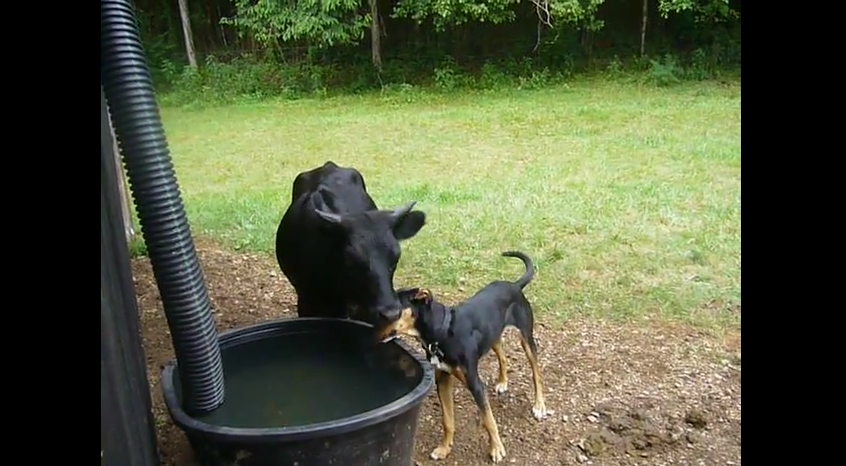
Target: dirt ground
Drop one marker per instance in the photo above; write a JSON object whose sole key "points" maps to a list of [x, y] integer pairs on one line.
{"points": [[622, 394]]}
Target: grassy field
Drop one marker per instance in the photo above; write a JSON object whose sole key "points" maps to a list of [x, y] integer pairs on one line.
{"points": [[627, 197]]}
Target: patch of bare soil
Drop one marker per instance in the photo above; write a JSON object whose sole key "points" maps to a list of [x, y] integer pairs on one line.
{"points": [[622, 394]]}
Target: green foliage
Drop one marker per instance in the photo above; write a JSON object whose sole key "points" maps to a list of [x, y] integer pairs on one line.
{"points": [[614, 69], [492, 77], [470, 31], [244, 78], [699, 68], [448, 77], [579, 12], [444, 13], [665, 71], [162, 49], [711, 11], [138, 247], [535, 79], [322, 23], [669, 70], [294, 48], [247, 78]]}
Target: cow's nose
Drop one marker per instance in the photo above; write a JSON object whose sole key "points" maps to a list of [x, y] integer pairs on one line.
{"points": [[388, 313]]}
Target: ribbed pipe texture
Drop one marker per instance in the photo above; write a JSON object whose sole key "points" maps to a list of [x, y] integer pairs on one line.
{"points": [[128, 86]]}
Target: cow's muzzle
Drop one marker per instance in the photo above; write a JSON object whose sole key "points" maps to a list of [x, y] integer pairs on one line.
{"points": [[388, 314]]}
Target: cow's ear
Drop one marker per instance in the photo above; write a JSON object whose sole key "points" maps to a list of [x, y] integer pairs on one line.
{"points": [[329, 217], [406, 222], [409, 225]]}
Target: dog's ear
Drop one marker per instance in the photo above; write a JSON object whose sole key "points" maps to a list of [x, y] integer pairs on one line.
{"points": [[406, 295], [423, 295]]}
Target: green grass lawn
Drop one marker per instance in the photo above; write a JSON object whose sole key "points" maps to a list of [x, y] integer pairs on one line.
{"points": [[627, 197]]}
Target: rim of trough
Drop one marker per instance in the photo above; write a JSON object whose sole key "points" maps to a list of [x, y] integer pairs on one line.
{"points": [[306, 431]]}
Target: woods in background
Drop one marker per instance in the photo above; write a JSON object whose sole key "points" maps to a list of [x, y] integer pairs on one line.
{"points": [[279, 46]]}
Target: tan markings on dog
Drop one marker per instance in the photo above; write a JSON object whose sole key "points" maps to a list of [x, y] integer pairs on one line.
{"points": [[459, 374], [497, 448], [423, 295], [440, 365], [402, 326], [502, 383], [539, 409], [446, 393]]}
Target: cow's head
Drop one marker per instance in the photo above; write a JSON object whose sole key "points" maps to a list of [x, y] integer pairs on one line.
{"points": [[371, 251]]}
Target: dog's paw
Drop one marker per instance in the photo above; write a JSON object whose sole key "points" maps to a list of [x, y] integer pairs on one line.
{"points": [[439, 453], [541, 413], [501, 388], [497, 453]]}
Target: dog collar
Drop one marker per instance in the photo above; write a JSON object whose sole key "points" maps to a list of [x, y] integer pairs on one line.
{"points": [[447, 320], [434, 351]]}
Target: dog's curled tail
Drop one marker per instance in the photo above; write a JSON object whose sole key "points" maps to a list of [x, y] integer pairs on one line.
{"points": [[530, 267]]}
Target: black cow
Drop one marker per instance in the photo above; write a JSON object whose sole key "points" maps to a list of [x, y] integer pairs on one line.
{"points": [[338, 250]]}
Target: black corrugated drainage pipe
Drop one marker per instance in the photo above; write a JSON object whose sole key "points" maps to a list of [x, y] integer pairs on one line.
{"points": [[128, 86]]}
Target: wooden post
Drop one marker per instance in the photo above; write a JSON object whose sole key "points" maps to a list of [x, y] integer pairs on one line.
{"points": [[125, 204], [127, 426]]}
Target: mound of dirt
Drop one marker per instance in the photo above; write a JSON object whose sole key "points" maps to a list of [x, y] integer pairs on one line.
{"points": [[639, 430], [644, 428]]}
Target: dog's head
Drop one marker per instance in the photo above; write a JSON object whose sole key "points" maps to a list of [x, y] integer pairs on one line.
{"points": [[416, 303]]}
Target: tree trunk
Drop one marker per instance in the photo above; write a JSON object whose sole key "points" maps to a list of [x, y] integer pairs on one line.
{"points": [[375, 35], [186, 31], [587, 43], [643, 28]]}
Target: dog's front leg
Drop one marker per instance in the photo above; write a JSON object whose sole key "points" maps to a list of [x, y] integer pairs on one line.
{"points": [[446, 395], [477, 388]]}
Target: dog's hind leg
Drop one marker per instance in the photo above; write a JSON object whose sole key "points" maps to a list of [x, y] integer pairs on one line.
{"points": [[530, 348], [522, 317], [502, 383], [477, 388], [446, 394]]}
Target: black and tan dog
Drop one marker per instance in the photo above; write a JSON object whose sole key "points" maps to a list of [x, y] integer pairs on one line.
{"points": [[456, 338]]}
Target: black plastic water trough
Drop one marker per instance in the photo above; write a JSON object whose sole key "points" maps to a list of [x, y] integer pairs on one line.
{"points": [[308, 392]]}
